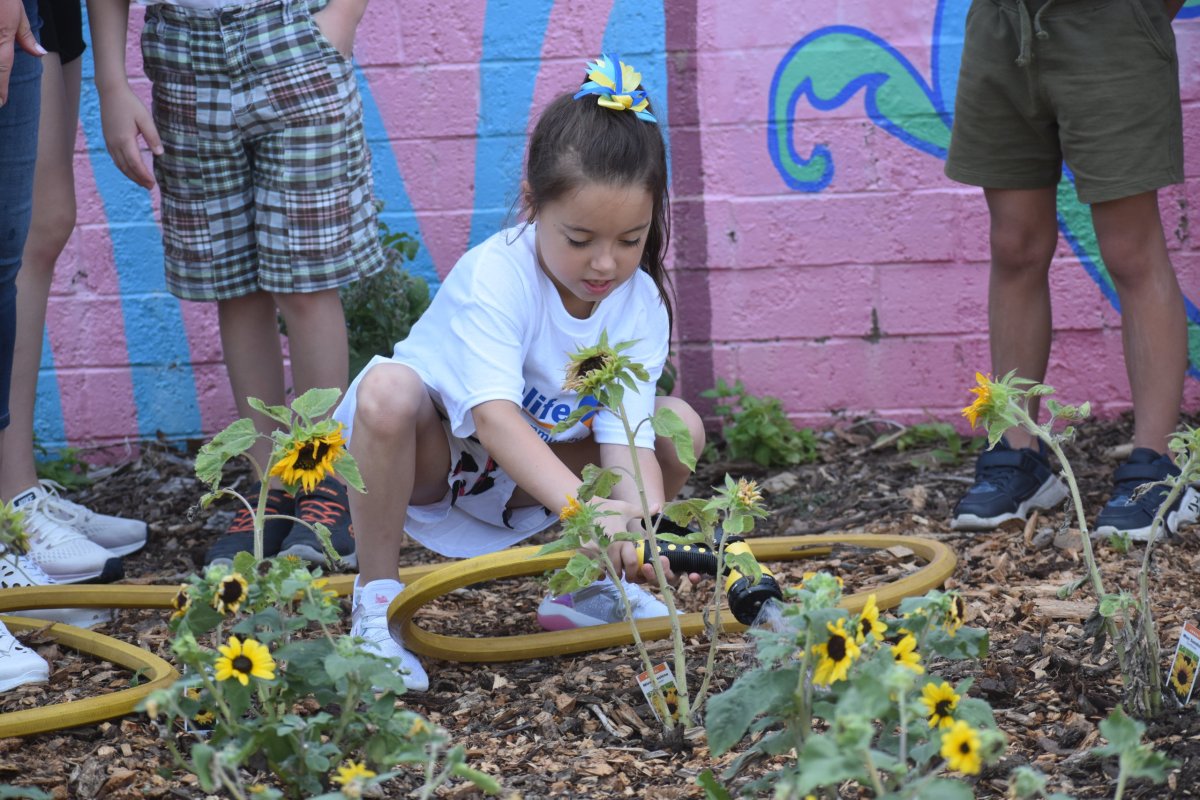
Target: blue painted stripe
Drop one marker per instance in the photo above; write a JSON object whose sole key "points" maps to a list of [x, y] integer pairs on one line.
{"points": [[164, 389], [398, 210], [637, 32], [513, 33], [48, 426]]}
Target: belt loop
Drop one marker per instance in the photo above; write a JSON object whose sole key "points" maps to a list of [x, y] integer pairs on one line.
{"points": [[289, 11]]}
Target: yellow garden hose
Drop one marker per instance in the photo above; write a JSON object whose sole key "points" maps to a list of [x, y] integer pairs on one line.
{"points": [[424, 584], [939, 558]]}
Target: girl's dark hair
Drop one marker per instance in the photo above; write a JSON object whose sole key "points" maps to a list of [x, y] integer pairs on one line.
{"points": [[578, 141]]}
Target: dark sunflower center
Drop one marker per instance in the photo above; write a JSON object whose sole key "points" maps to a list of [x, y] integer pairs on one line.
{"points": [[231, 592], [960, 608], [837, 648], [243, 664], [311, 455], [864, 626], [942, 709], [180, 601], [591, 364], [1183, 675], [965, 748]]}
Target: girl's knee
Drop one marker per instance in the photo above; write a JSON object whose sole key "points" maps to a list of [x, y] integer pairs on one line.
{"points": [[389, 399]]}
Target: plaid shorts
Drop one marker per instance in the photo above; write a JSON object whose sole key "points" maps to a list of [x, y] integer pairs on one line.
{"points": [[266, 174]]}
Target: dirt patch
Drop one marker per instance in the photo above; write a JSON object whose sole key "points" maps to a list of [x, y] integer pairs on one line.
{"points": [[578, 727]]}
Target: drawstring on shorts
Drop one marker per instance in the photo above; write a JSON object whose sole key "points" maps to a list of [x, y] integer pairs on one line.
{"points": [[1029, 29]]}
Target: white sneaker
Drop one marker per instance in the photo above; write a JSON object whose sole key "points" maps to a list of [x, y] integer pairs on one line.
{"points": [[371, 625], [63, 552], [18, 664], [118, 535], [598, 604], [20, 570]]}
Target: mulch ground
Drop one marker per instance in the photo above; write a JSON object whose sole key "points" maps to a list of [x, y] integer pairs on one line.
{"points": [[578, 727]]}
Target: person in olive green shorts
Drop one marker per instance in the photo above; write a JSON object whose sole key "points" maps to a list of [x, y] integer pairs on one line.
{"points": [[1094, 83]]}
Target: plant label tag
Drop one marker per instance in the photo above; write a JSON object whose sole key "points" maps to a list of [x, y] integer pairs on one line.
{"points": [[1181, 682], [666, 684]]}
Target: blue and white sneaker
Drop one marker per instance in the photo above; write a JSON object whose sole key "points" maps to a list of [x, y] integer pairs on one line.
{"points": [[598, 604], [1008, 485], [1133, 514]]}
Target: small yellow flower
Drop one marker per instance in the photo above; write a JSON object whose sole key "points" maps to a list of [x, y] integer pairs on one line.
{"points": [[808, 576], [905, 654], [748, 495], [1183, 672], [983, 399], [308, 461], [352, 771], [181, 602], [231, 592], [868, 623], [940, 702], [956, 615], [569, 511], [201, 717], [960, 748], [244, 660], [418, 727], [835, 655]]}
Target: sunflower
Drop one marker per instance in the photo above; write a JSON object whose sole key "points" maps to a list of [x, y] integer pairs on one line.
{"points": [[1183, 672], [308, 461], [352, 771], [181, 602], [836, 654], [905, 654], [960, 748], [203, 716], [983, 399], [244, 660], [868, 623], [940, 701], [569, 511], [231, 592]]}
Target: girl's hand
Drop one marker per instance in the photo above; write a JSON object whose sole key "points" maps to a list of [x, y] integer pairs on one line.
{"points": [[15, 31], [123, 118]]}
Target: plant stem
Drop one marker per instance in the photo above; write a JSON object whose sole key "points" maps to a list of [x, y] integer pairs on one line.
{"points": [[685, 715], [713, 628], [876, 782]]}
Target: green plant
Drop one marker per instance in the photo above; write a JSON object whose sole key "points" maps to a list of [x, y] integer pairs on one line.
{"points": [[63, 466], [757, 428], [948, 447], [837, 697], [276, 688], [381, 310], [604, 373]]}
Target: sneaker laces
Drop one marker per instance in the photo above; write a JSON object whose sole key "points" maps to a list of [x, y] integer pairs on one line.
{"points": [[60, 508], [49, 528]]}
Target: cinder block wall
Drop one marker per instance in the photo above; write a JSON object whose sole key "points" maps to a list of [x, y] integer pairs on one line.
{"points": [[818, 252]]}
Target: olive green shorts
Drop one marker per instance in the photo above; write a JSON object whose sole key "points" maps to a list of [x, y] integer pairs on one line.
{"points": [[1091, 82]]}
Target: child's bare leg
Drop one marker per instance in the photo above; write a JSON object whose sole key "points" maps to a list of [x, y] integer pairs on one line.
{"points": [[50, 228], [316, 326], [1024, 233], [253, 359], [1153, 319], [402, 453]]}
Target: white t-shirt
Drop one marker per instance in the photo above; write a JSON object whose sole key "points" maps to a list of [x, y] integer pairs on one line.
{"points": [[497, 330]]}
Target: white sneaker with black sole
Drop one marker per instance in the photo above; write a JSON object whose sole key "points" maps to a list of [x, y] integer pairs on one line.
{"points": [[17, 570], [18, 664], [118, 535], [65, 554]]}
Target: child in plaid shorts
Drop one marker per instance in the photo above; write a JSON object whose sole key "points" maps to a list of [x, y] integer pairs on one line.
{"points": [[265, 177]]}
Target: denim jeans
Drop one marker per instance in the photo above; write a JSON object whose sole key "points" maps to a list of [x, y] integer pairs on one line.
{"points": [[18, 155]]}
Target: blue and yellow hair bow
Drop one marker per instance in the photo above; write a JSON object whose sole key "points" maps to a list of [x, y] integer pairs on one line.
{"points": [[615, 85]]}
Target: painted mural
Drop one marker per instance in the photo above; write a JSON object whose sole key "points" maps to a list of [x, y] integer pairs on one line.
{"points": [[450, 92]]}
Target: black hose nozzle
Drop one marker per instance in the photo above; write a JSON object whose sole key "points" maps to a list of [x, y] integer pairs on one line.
{"points": [[746, 598]]}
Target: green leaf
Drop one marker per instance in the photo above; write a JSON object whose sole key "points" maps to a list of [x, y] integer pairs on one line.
{"points": [[597, 482], [202, 765], [347, 469], [943, 789], [485, 783], [573, 418], [315, 403], [669, 424], [229, 443], [712, 789], [731, 712], [281, 414]]}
